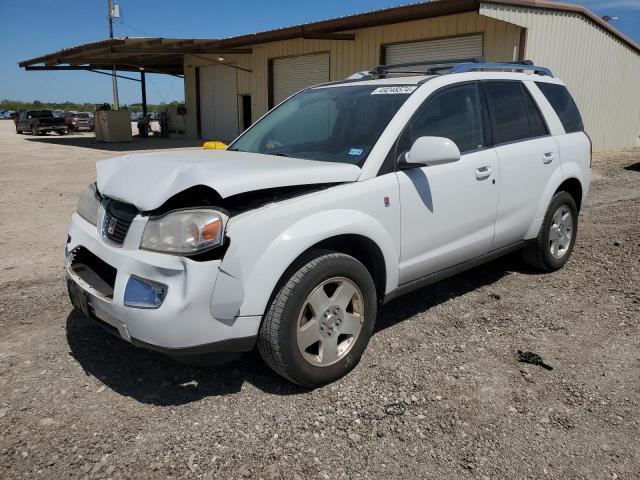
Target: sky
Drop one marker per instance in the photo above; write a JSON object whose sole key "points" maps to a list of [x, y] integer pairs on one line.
{"points": [[36, 27]]}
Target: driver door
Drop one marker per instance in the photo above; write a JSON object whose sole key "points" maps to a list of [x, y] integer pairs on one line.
{"points": [[448, 211]]}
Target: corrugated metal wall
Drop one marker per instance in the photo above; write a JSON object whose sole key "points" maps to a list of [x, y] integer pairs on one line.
{"points": [[463, 47], [602, 72], [501, 41]]}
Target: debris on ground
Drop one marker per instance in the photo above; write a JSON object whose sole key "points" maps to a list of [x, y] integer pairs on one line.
{"points": [[395, 409], [533, 359]]}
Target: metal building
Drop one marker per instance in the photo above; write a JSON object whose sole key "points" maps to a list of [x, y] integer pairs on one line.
{"points": [[231, 82]]}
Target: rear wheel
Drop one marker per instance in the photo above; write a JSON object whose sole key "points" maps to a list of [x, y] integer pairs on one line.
{"points": [[319, 323], [554, 244]]}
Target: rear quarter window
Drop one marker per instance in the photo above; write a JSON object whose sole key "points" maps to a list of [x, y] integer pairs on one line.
{"points": [[564, 105]]}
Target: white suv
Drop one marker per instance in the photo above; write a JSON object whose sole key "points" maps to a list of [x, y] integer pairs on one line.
{"points": [[343, 197]]}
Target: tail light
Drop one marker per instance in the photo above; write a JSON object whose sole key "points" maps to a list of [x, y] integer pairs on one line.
{"points": [[590, 150]]}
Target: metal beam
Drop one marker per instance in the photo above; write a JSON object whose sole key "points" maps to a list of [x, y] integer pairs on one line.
{"points": [[64, 68], [181, 51], [154, 69], [329, 36], [143, 90], [214, 62], [169, 60], [181, 43]]}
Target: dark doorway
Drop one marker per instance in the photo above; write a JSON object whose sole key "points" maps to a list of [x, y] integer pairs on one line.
{"points": [[246, 111]]}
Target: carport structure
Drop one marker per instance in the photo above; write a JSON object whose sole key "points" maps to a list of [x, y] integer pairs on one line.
{"points": [[153, 55]]}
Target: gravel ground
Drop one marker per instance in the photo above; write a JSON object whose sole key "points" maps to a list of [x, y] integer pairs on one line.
{"points": [[439, 393]]}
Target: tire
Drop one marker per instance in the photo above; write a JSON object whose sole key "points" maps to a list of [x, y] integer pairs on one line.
{"points": [[542, 253], [63, 132], [278, 338]]}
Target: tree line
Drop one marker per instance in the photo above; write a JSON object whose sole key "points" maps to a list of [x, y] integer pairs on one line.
{"points": [[79, 107]]}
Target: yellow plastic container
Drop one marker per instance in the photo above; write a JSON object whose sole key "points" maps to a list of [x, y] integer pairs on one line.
{"points": [[214, 145]]}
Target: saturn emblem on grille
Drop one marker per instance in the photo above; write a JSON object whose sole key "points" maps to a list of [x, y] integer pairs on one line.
{"points": [[111, 227]]}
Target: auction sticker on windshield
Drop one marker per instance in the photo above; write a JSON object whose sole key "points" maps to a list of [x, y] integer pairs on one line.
{"points": [[404, 90]]}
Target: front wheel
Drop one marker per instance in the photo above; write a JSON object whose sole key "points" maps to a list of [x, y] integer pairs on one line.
{"points": [[320, 321], [554, 244]]}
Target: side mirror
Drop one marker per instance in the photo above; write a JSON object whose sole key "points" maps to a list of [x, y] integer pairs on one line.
{"points": [[427, 151]]}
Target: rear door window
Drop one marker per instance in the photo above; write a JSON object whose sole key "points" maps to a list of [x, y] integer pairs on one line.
{"points": [[564, 105], [514, 114]]}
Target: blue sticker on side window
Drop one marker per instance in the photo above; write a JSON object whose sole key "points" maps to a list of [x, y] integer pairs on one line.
{"points": [[356, 151]]}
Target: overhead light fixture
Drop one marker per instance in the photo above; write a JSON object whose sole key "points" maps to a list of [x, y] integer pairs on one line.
{"points": [[221, 58]]}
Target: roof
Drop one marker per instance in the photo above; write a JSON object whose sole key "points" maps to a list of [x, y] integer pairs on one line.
{"points": [[162, 55], [569, 7], [165, 55]]}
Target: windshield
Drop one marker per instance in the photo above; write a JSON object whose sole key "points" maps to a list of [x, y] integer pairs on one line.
{"points": [[331, 124], [81, 115], [40, 114]]}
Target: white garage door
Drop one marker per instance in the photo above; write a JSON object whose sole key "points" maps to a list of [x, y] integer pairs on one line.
{"points": [[292, 74], [218, 103], [467, 47]]}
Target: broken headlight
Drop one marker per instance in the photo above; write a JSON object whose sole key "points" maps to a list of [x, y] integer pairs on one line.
{"points": [[89, 204], [184, 232]]}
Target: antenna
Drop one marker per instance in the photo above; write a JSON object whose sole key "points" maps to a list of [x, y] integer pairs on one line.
{"points": [[114, 12]]}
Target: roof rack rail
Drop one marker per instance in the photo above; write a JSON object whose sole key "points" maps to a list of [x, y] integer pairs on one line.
{"points": [[434, 66], [525, 65]]}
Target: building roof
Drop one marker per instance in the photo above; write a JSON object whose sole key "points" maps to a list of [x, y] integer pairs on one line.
{"points": [[165, 55]]}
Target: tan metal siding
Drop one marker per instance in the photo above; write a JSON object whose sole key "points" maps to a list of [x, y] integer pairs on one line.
{"points": [[462, 47], [601, 71], [501, 42]]}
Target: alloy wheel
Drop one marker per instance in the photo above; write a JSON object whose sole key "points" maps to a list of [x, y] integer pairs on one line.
{"points": [[561, 232], [330, 321]]}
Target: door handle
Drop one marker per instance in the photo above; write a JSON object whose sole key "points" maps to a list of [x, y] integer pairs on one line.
{"points": [[483, 173], [547, 158]]}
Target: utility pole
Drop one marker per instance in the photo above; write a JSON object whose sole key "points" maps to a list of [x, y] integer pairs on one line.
{"points": [[114, 79]]}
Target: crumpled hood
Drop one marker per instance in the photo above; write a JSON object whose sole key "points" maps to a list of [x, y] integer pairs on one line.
{"points": [[148, 180]]}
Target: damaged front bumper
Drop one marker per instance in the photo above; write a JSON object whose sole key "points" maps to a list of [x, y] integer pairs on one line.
{"points": [[103, 279]]}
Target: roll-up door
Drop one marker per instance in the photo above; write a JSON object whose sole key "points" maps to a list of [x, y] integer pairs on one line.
{"points": [[465, 47], [218, 103], [292, 74]]}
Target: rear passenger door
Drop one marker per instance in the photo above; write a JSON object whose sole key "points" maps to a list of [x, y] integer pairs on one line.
{"points": [[527, 154]]}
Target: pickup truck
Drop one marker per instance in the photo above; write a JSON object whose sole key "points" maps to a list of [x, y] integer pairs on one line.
{"points": [[77, 121], [39, 122]]}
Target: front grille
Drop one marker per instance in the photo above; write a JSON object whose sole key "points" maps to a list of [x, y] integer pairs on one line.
{"points": [[117, 220]]}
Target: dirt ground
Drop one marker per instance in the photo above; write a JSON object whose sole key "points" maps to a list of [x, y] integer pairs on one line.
{"points": [[439, 394]]}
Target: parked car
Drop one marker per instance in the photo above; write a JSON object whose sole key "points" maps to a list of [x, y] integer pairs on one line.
{"points": [[135, 116], [340, 199], [79, 121], [39, 122]]}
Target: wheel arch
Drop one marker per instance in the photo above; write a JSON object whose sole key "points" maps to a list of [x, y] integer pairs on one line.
{"points": [[574, 188], [557, 183], [358, 246]]}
